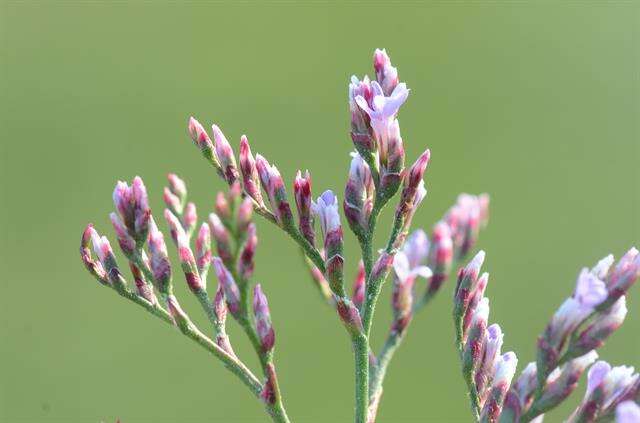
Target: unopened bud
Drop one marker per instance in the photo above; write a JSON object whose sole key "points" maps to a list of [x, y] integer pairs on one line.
{"points": [[94, 267], [359, 286], [250, 177], [126, 242], [244, 215], [386, 75], [246, 262], [392, 163], [302, 193], [263, 319], [159, 263], [413, 189], [203, 249], [274, 186], [441, 255], [505, 368], [231, 292], [222, 238], [349, 315], [225, 155], [358, 195], [326, 209], [190, 218]]}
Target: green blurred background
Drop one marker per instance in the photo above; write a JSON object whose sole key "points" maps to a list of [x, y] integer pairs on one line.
{"points": [[535, 102]]}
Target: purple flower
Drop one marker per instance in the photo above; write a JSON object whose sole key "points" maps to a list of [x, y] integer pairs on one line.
{"points": [[628, 412], [382, 110], [358, 194], [326, 208], [263, 319], [610, 381], [505, 368], [590, 291], [407, 263]]}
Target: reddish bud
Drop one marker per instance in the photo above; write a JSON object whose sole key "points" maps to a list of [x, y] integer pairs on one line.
{"points": [[263, 319], [302, 194], [225, 155], [359, 286], [250, 177]]}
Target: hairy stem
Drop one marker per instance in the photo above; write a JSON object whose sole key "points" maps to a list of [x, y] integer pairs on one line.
{"points": [[361, 356]]}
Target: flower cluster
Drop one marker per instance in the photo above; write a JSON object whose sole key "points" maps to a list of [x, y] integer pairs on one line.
{"points": [[226, 242]]}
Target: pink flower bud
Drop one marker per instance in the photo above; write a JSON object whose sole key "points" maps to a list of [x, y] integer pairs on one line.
{"points": [[225, 155], [361, 131], [250, 177], [359, 286], [391, 161], [263, 319], [413, 191], [562, 382], [484, 372], [94, 267], [245, 214], [203, 248], [274, 186], [524, 387], [402, 302], [231, 292], [222, 207], [143, 289], [190, 218], [175, 228], [441, 255], [382, 266], [467, 281], [477, 294], [177, 186], [386, 75], [172, 201], [358, 195], [141, 210], [127, 243], [623, 276], [102, 249], [504, 370], [246, 262], [159, 263], [222, 238], [302, 193], [349, 315], [199, 135], [603, 325]]}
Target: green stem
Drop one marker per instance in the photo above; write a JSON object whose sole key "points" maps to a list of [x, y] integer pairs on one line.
{"points": [[361, 356], [230, 362]]}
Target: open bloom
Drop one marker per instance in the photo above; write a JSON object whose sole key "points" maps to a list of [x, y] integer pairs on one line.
{"points": [[408, 262], [382, 110], [326, 209]]}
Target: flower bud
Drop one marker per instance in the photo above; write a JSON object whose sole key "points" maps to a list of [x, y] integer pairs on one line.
{"points": [[467, 281], [492, 350], [386, 75], [132, 205], [359, 286], [126, 242], [263, 319], [402, 303], [203, 249], [382, 266], [475, 340], [102, 249], [349, 315], [563, 382], [190, 218], [231, 292], [603, 325], [94, 267], [177, 187], [412, 194], [244, 215], [302, 193], [142, 287], [525, 386], [358, 195], [441, 256], [172, 201], [159, 263], [391, 162], [274, 186], [326, 209], [476, 296], [222, 238], [623, 276], [361, 131], [504, 370], [250, 178], [246, 262], [225, 155], [200, 137]]}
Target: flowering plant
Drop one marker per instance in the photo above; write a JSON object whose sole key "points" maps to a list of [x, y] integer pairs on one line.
{"points": [[418, 264]]}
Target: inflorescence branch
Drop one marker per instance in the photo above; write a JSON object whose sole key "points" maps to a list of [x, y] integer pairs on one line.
{"points": [[376, 174]]}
